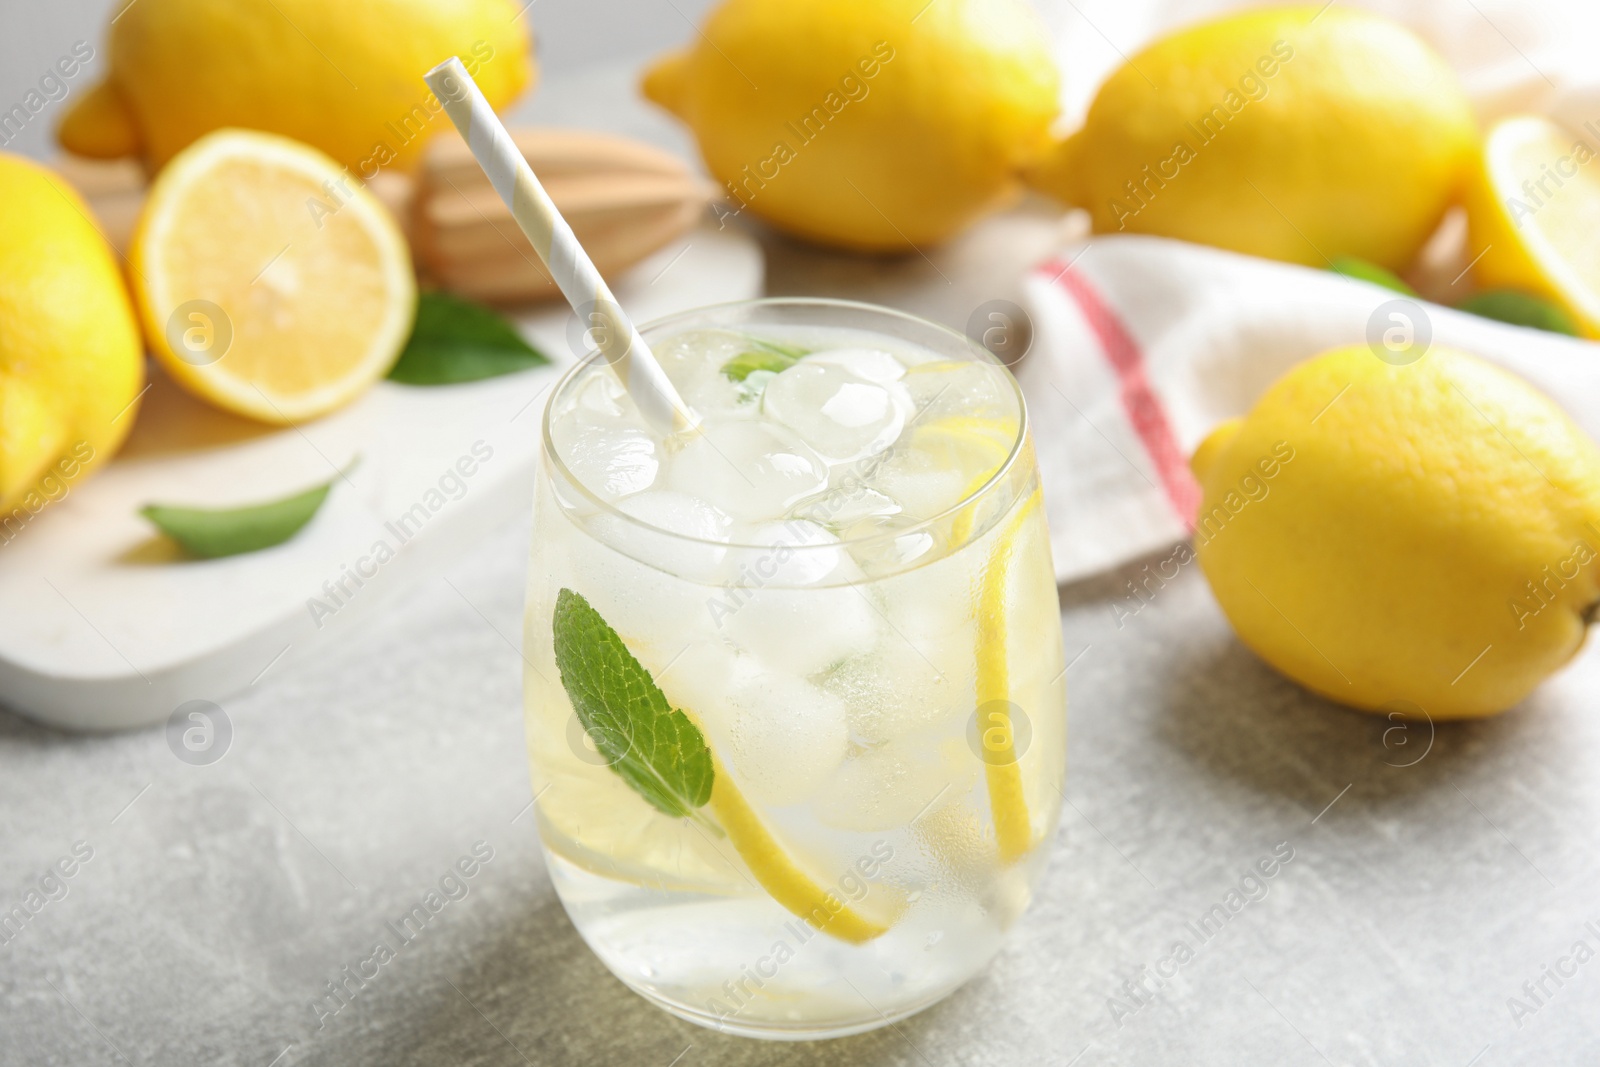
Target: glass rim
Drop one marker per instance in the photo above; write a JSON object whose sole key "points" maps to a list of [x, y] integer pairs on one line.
{"points": [[999, 477]]}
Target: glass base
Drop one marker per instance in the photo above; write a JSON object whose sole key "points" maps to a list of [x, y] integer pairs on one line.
{"points": [[771, 1031], [741, 964]]}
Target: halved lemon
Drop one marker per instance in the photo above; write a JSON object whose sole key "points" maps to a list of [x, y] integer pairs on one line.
{"points": [[271, 284], [1533, 210]]}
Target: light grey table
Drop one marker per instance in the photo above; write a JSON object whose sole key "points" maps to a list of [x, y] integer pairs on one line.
{"points": [[220, 900]]}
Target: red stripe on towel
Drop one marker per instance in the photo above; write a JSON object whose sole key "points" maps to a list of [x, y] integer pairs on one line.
{"points": [[1145, 413]]}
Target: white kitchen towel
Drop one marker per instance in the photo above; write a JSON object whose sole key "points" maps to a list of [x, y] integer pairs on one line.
{"points": [[1142, 345]]}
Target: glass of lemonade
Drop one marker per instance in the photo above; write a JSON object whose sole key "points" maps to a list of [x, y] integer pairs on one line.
{"points": [[795, 695]]}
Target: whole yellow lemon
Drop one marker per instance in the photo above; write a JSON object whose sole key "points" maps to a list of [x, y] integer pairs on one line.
{"points": [[1423, 534], [344, 77], [71, 362], [1297, 133], [876, 126]]}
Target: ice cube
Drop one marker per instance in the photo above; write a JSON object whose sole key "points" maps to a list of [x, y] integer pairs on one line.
{"points": [[841, 415], [694, 554], [780, 735], [965, 388], [895, 690], [694, 360], [925, 483], [610, 459], [879, 550], [688, 355], [751, 470], [794, 553], [921, 670], [847, 504], [601, 395], [871, 364], [773, 606]]}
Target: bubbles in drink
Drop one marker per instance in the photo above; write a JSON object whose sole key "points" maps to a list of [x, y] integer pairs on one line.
{"points": [[888, 787]]}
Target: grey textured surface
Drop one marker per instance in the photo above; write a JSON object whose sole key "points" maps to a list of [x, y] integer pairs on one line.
{"points": [[221, 899]]}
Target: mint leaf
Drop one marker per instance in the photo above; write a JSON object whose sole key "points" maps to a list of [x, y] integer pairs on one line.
{"points": [[455, 340], [745, 364], [1520, 309], [1362, 270], [213, 533], [763, 355], [652, 745]]}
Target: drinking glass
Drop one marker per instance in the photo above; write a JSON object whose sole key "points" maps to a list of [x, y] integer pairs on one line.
{"points": [[796, 763]]}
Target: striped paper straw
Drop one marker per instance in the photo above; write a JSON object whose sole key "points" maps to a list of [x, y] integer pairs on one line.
{"points": [[574, 272]]}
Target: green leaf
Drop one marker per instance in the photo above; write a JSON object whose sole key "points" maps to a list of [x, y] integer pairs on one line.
{"points": [[745, 364], [653, 746], [762, 356], [455, 340], [213, 533], [1520, 309], [1362, 270]]}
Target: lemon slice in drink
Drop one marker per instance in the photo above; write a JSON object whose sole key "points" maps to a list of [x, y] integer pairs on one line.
{"points": [[660, 752], [778, 872], [1008, 804], [978, 447], [270, 283], [972, 449], [599, 825], [1533, 209]]}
